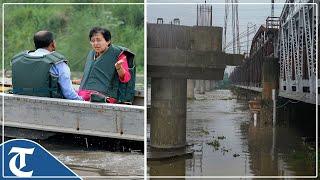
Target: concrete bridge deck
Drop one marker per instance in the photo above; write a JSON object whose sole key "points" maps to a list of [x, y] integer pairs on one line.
{"points": [[252, 88]]}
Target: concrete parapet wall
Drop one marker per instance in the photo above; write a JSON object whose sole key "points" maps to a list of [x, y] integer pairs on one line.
{"points": [[184, 37]]}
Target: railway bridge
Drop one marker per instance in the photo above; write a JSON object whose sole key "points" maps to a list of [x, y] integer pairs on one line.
{"points": [[283, 56]]}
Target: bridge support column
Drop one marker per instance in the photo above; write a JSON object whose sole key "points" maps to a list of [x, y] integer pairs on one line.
{"points": [[190, 88], [175, 54], [270, 77], [168, 113], [201, 87], [270, 80], [212, 84], [207, 85], [196, 86]]}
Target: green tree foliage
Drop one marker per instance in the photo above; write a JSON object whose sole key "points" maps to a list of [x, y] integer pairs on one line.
{"points": [[71, 25], [130, 15], [225, 83]]}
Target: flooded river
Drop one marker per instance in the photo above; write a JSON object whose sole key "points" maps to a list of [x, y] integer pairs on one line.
{"points": [[226, 141], [93, 156], [102, 163], [98, 157]]}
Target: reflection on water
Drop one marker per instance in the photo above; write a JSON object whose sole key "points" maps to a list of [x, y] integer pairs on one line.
{"points": [[226, 141], [168, 167]]}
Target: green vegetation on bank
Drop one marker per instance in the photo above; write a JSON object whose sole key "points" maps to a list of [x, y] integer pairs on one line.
{"points": [[71, 25], [225, 83]]}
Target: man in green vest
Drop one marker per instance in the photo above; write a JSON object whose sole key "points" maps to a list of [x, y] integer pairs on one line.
{"points": [[109, 70], [42, 72]]}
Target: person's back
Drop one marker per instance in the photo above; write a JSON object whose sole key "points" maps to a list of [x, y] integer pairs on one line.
{"points": [[43, 72]]}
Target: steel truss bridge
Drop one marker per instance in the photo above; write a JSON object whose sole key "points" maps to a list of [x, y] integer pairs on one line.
{"points": [[291, 40]]}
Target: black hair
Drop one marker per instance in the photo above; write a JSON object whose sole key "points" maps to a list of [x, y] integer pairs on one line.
{"points": [[42, 39], [105, 32]]}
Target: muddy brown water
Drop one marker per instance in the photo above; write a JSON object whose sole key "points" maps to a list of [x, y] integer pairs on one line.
{"points": [[102, 157], [89, 156], [102, 163], [227, 141]]}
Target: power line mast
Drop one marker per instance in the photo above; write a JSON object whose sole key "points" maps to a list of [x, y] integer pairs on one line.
{"points": [[272, 8], [226, 14], [251, 29], [234, 25], [237, 27], [204, 14]]}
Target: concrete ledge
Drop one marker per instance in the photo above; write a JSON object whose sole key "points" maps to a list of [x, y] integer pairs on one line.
{"points": [[76, 117], [257, 89], [191, 58], [298, 96], [179, 63], [185, 58], [67, 102]]}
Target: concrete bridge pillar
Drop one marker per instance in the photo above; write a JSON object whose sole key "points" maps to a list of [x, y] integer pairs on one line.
{"points": [[270, 80], [168, 113], [212, 84], [190, 88], [196, 86], [201, 87], [270, 77], [207, 85], [175, 54]]}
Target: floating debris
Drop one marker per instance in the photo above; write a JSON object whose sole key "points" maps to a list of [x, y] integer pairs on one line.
{"points": [[215, 144], [206, 132], [236, 155], [221, 137], [224, 150]]}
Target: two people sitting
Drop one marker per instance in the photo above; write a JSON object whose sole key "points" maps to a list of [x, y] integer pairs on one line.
{"points": [[109, 73]]}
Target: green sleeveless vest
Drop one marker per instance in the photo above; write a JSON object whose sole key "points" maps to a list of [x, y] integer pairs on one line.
{"points": [[100, 74], [31, 76]]}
